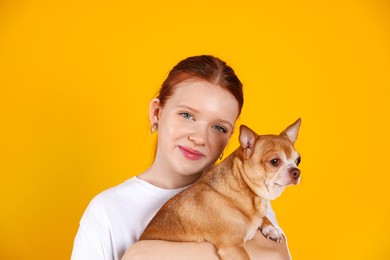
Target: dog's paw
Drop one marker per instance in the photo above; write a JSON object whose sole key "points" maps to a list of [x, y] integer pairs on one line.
{"points": [[271, 232]]}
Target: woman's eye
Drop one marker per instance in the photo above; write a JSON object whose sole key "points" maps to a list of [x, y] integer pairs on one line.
{"points": [[275, 162], [186, 115], [220, 129]]}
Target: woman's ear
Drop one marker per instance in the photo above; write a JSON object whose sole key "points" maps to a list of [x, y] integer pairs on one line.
{"points": [[154, 111]]}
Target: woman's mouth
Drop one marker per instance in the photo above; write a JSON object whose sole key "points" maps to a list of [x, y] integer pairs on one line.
{"points": [[190, 154]]}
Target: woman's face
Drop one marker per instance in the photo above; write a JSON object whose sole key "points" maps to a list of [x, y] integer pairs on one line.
{"points": [[194, 126]]}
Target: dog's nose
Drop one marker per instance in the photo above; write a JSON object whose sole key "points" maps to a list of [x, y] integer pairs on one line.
{"points": [[294, 173]]}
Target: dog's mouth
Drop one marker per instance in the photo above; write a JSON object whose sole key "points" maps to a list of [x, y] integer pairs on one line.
{"points": [[285, 179], [279, 185], [295, 182]]}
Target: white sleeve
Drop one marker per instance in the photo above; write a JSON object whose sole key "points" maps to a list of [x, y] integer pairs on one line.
{"points": [[88, 243]]}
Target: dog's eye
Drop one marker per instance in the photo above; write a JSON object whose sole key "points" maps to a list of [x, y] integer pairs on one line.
{"points": [[298, 161], [275, 162]]}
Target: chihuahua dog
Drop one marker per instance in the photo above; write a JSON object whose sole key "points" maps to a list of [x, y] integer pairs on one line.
{"points": [[226, 205]]}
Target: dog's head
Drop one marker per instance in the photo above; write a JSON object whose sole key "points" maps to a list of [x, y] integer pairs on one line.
{"points": [[270, 162]]}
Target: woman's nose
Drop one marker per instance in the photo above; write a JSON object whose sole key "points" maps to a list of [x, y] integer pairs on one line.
{"points": [[198, 136]]}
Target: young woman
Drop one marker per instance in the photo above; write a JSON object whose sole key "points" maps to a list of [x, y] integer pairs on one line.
{"points": [[194, 114]]}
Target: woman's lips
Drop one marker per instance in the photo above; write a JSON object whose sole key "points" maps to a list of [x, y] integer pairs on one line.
{"points": [[190, 154]]}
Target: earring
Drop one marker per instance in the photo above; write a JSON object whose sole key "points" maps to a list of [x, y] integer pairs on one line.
{"points": [[220, 157], [153, 128]]}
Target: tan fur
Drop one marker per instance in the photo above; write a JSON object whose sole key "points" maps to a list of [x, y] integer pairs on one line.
{"points": [[228, 204]]}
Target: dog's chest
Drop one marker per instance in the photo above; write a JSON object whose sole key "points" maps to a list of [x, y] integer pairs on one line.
{"points": [[253, 227], [257, 218], [251, 234]]}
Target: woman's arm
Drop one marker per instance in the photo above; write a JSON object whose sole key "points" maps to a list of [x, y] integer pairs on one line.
{"points": [[164, 250], [258, 248]]}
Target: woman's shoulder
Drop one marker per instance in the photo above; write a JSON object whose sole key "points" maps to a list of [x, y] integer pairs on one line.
{"points": [[132, 195], [123, 191], [132, 191]]}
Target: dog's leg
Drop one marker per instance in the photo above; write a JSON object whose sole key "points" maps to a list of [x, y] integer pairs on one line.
{"points": [[270, 231], [233, 253]]}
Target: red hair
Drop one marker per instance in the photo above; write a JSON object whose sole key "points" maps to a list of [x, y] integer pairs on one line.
{"points": [[207, 68]]}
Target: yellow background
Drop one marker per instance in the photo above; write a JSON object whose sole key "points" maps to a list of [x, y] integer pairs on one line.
{"points": [[76, 78]]}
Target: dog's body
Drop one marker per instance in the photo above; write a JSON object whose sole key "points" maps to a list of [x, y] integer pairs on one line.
{"points": [[228, 204]]}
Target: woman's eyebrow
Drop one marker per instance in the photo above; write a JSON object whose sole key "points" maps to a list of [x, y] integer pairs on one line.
{"points": [[189, 108]]}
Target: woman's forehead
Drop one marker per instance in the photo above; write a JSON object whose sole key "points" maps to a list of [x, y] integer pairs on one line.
{"points": [[207, 98]]}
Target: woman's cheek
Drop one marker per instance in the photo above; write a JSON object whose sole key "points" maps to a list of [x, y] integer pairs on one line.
{"points": [[220, 143], [176, 127]]}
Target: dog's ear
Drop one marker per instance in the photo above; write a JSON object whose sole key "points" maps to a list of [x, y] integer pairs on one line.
{"points": [[291, 132], [247, 140]]}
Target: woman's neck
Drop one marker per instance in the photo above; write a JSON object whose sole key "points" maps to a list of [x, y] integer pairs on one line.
{"points": [[166, 179]]}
